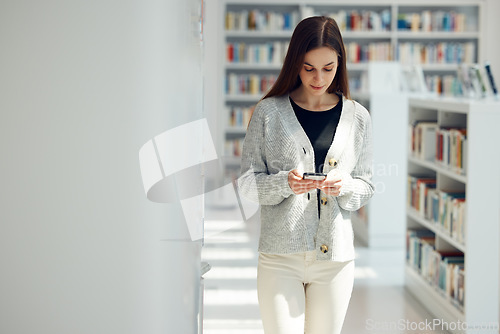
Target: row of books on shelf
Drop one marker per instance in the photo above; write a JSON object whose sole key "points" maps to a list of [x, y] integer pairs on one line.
{"points": [[376, 51], [444, 85], [233, 147], [445, 146], [477, 81], [435, 21], [415, 53], [410, 53], [257, 84], [351, 20], [354, 20], [436, 53], [470, 80], [239, 117], [443, 269], [443, 209], [253, 84], [261, 20], [451, 148], [265, 53]]}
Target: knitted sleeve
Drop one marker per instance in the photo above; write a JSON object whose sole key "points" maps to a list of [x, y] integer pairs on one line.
{"points": [[357, 186], [255, 182]]}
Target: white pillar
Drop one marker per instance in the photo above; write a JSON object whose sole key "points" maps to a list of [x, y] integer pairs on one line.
{"points": [[84, 84]]}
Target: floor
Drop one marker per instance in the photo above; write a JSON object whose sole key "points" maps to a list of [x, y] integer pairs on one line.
{"points": [[379, 302]]}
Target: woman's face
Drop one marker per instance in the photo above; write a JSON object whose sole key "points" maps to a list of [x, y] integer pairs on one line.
{"points": [[318, 70]]}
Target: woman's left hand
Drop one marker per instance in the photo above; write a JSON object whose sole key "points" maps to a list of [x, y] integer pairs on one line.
{"points": [[331, 186]]}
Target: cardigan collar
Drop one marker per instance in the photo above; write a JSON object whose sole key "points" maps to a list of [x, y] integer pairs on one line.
{"points": [[342, 133]]}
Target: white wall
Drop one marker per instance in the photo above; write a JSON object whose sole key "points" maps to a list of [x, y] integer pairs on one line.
{"points": [[83, 85], [213, 57], [492, 46]]}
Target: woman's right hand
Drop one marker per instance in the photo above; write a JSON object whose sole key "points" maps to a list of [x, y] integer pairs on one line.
{"points": [[299, 185]]}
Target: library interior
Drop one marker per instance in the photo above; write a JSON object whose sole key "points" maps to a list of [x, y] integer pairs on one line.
{"points": [[424, 70], [127, 127]]}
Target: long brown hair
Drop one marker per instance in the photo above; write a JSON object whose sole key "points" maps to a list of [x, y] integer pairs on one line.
{"points": [[311, 33]]}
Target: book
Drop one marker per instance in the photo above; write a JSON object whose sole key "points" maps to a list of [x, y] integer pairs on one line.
{"points": [[427, 247], [412, 79], [465, 81], [491, 80], [458, 219], [481, 79], [476, 88], [446, 200], [423, 186], [460, 285], [423, 139], [434, 198], [426, 140], [446, 272]]}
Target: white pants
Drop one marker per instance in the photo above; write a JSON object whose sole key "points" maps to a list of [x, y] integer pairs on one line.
{"points": [[298, 294]]}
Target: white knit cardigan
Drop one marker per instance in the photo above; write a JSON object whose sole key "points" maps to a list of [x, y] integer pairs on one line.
{"points": [[275, 143]]}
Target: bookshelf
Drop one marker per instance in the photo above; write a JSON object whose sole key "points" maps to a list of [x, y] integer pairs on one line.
{"points": [[378, 224], [255, 41], [474, 231]]}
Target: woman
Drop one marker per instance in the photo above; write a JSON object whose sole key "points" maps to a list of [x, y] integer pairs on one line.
{"points": [[307, 123]]}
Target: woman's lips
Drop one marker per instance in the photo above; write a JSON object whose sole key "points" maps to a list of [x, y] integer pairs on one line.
{"points": [[316, 88]]}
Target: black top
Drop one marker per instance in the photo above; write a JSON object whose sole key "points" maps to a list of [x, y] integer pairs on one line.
{"points": [[320, 127]]}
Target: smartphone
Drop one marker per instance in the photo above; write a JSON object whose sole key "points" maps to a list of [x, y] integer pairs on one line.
{"points": [[314, 176]]}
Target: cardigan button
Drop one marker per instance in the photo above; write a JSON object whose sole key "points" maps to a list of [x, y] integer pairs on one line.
{"points": [[332, 162], [324, 201], [324, 249]]}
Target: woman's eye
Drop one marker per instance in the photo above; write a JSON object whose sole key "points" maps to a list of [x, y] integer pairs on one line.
{"points": [[309, 69], [328, 69]]}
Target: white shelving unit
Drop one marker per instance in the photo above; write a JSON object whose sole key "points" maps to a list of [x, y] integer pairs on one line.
{"points": [[481, 186], [378, 224]]}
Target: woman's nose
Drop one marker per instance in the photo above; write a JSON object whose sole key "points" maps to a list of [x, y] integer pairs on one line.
{"points": [[318, 75]]}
